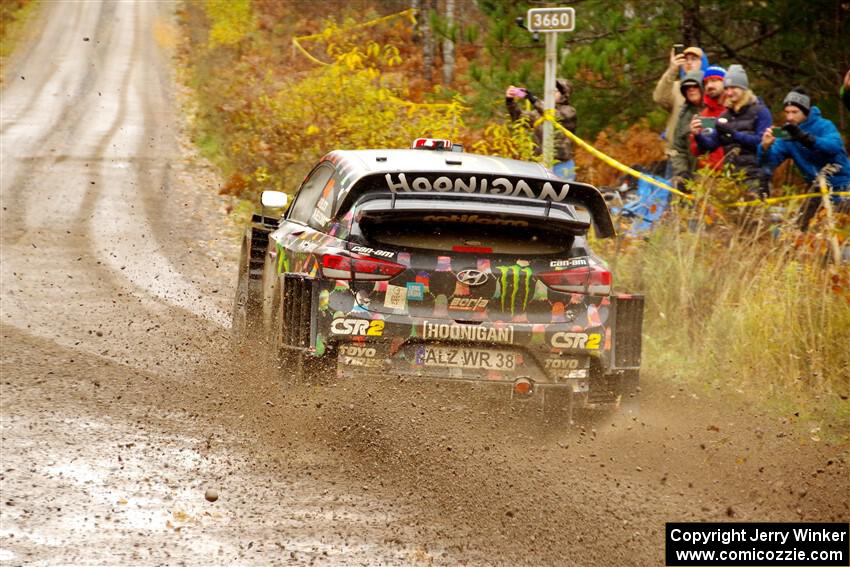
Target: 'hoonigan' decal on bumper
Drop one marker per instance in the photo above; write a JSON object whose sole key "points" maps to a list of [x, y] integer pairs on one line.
{"points": [[470, 333]]}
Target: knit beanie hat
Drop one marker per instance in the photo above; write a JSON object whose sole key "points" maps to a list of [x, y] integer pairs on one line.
{"points": [[799, 98], [736, 77], [714, 72], [692, 78]]}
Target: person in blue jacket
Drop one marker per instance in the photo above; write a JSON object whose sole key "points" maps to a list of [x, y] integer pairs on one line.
{"points": [[812, 142], [739, 130]]}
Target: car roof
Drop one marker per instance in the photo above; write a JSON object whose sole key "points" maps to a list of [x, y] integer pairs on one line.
{"points": [[355, 164]]}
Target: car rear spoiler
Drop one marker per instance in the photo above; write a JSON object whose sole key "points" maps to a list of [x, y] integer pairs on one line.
{"points": [[550, 199]]}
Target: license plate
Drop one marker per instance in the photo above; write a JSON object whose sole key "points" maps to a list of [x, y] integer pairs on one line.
{"points": [[486, 359]]}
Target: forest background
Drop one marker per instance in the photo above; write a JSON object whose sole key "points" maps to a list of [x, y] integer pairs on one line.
{"points": [[268, 110]]}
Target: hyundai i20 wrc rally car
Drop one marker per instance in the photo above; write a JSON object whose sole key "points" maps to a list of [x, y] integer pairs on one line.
{"points": [[441, 265]]}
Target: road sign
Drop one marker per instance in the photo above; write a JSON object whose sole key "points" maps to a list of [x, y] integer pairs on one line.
{"points": [[551, 20]]}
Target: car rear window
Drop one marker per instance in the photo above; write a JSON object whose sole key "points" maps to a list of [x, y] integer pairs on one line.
{"points": [[456, 232]]}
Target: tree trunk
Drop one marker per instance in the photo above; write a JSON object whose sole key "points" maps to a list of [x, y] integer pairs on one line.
{"points": [[690, 23], [427, 40], [449, 44], [417, 5]]}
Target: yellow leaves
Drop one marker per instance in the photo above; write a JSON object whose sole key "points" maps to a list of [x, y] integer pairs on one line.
{"points": [[231, 20], [312, 129], [372, 73]]}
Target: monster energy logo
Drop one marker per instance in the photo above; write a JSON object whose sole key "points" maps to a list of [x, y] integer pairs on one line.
{"points": [[509, 281]]}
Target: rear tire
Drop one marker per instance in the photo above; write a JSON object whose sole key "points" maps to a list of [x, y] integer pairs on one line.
{"points": [[292, 334]]}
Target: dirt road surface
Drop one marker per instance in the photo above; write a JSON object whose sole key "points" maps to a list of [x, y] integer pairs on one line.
{"points": [[123, 403]]}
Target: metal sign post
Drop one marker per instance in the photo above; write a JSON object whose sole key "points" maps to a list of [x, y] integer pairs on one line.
{"points": [[549, 96], [550, 21]]}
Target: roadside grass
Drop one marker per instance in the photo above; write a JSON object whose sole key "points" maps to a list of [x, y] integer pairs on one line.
{"points": [[13, 15], [744, 309]]}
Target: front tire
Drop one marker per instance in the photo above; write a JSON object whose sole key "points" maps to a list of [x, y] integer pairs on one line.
{"points": [[247, 305]]}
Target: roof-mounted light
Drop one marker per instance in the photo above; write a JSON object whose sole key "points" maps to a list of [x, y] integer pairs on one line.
{"points": [[436, 144]]}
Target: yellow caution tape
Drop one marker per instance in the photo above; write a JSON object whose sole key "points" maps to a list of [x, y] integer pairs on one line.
{"points": [[296, 41], [307, 53], [772, 200], [411, 13], [550, 115]]}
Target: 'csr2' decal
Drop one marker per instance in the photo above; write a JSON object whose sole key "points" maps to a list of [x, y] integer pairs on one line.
{"points": [[563, 339], [571, 263], [357, 327], [372, 251]]}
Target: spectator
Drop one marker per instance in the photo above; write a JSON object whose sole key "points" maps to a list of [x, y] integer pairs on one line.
{"points": [[845, 90], [739, 130], [682, 161], [668, 93], [564, 113], [813, 142], [712, 108]]}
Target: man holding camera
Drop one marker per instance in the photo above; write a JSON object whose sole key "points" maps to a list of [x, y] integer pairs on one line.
{"points": [[565, 114], [812, 142], [683, 162], [668, 93], [707, 118]]}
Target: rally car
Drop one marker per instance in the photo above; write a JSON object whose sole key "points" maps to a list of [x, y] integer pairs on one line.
{"points": [[435, 264]]}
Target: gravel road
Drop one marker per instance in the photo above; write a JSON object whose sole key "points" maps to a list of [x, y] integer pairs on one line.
{"points": [[123, 405]]}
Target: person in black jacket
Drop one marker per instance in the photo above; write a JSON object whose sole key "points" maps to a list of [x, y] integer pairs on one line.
{"points": [[739, 131]]}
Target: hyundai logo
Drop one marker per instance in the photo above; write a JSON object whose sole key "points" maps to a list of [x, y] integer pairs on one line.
{"points": [[472, 277]]}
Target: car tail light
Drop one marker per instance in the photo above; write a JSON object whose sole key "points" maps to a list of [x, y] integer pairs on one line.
{"points": [[473, 249], [339, 267], [593, 280]]}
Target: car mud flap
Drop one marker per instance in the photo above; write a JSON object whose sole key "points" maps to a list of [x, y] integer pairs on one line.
{"points": [[628, 328]]}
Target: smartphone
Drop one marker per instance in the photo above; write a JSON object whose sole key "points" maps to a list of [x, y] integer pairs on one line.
{"points": [[780, 133], [707, 121], [678, 48]]}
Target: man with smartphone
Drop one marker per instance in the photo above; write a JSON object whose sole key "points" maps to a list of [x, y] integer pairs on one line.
{"points": [[668, 93], [707, 118], [812, 142]]}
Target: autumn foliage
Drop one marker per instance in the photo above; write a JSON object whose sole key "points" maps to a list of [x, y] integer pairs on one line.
{"points": [[272, 110]]}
